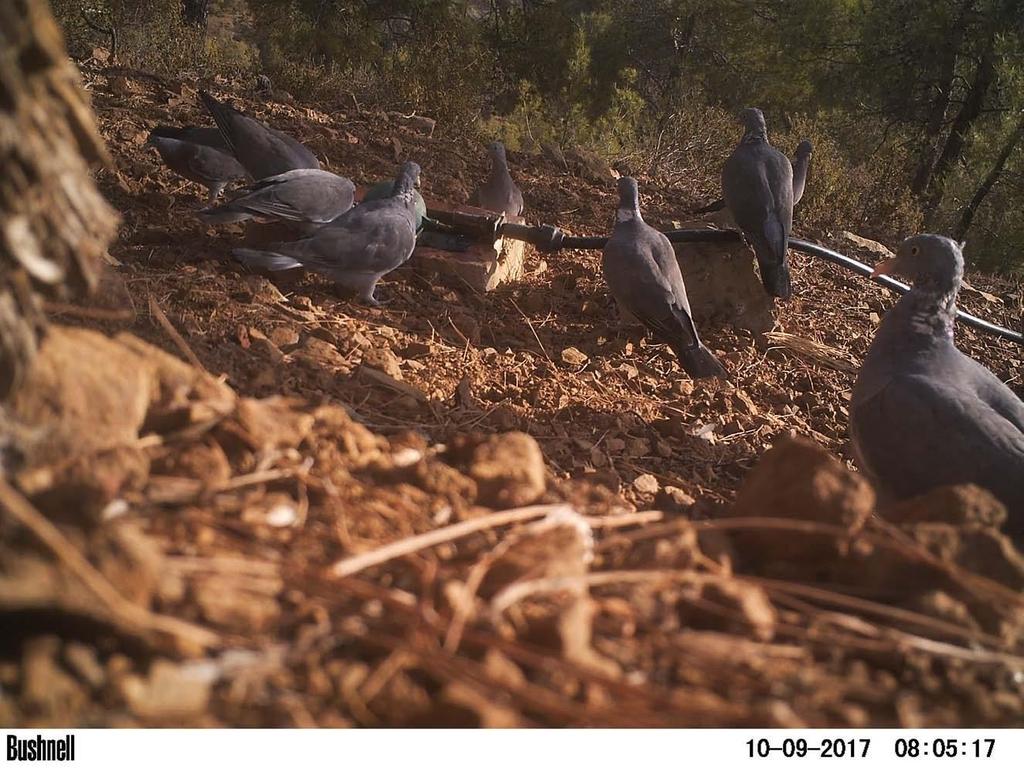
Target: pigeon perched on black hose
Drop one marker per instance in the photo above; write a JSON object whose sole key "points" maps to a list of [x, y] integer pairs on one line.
{"points": [[642, 272], [499, 192], [357, 248], [923, 413], [757, 182]]}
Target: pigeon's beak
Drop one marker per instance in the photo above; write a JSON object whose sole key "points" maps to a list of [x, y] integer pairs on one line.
{"points": [[887, 267]]}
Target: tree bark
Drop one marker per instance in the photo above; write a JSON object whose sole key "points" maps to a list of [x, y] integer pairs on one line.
{"points": [[940, 106], [54, 224], [971, 109], [196, 12], [990, 180]]}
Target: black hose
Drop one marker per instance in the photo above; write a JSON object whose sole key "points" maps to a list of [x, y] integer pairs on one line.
{"points": [[852, 264], [548, 238]]}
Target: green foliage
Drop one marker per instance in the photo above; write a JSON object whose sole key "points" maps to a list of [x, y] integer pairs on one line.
{"points": [[149, 33], [910, 103]]}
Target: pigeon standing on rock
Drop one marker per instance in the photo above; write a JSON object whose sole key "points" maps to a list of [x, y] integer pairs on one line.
{"points": [[307, 197], [923, 413], [801, 162], [499, 193], [356, 249], [641, 269], [757, 182], [261, 150], [194, 154]]}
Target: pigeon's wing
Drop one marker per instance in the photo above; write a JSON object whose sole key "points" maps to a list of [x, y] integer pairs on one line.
{"points": [[994, 393], [757, 182], [635, 274], [197, 161], [211, 137], [758, 186], [297, 154], [517, 206], [373, 243], [643, 275], [262, 150], [301, 195], [921, 431], [212, 164]]}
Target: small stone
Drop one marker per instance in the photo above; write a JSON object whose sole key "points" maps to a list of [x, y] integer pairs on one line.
{"points": [[646, 484], [615, 445], [509, 470], [383, 359], [799, 479], [637, 447], [675, 499], [572, 356], [406, 457], [284, 336], [82, 660], [170, 692]]}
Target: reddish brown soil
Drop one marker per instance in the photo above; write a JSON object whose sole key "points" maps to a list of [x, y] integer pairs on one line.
{"points": [[795, 605]]}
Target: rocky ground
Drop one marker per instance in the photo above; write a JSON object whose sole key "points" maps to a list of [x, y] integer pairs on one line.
{"points": [[471, 509]]}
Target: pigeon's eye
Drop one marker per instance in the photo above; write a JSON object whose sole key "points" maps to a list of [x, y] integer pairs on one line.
{"points": [[914, 250]]}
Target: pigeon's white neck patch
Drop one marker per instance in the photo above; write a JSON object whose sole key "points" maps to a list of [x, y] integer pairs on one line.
{"points": [[933, 313], [628, 214], [755, 136]]}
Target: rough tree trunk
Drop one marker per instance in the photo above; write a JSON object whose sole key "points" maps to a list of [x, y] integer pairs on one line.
{"points": [[969, 112], [54, 224], [196, 12], [940, 105], [967, 216]]}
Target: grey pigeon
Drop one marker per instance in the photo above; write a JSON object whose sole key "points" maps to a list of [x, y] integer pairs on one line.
{"points": [[801, 161], [197, 161], [757, 182], [210, 137], [357, 248], [307, 197], [923, 413], [641, 269], [383, 189], [499, 193], [260, 149]]}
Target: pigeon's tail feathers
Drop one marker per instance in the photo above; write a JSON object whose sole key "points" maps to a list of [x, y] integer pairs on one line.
{"points": [[700, 363], [221, 114], [272, 262], [775, 275], [771, 251], [223, 214]]}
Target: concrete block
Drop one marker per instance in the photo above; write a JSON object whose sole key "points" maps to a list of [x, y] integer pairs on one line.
{"points": [[483, 267], [723, 284]]}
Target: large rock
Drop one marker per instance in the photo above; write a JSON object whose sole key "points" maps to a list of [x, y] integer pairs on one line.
{"points": [[799, 480], [76, 422], [484, 266], [723, 285], [508, 469]]}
